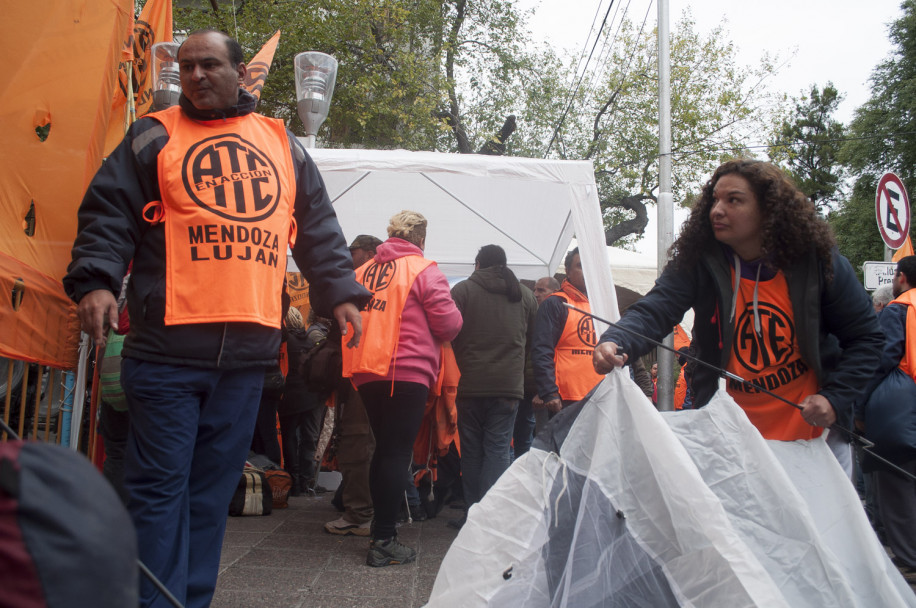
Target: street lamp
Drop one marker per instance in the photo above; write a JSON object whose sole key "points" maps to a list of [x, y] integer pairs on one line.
{"points": [[316, 74], [166, 79]]}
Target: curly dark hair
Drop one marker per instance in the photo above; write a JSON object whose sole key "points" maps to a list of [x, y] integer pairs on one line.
{"points": [[789, 222]]}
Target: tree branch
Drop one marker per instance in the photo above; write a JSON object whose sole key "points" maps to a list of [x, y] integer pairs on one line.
{"points": [[635, 225]]}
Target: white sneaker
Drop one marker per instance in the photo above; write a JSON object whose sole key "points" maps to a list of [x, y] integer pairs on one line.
{"points": [[344, 528]]}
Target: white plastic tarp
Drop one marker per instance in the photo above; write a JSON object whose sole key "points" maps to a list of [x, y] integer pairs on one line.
{"points": [[524, 205], [685, 509]]}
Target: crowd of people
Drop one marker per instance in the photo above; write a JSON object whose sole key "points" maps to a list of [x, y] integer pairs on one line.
{"points": [[775, 304]]}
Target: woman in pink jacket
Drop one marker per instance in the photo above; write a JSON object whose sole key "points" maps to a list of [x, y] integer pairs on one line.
{"points": [[410, 315]]}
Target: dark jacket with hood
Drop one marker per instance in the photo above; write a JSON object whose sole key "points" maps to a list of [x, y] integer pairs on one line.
{"points": [[836, 329], [112, 232], [491, 346]]}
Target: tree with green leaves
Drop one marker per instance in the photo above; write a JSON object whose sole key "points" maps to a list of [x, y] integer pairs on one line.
{"points": [[716, 104], [424, 75], [883, 131], [881, 138], [807, 143]]}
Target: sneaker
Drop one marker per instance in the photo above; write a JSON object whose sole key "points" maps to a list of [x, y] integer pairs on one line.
{"points": [[344, 528], [389, 553], [457, 524]]}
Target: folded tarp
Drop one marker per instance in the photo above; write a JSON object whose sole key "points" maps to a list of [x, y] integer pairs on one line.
{"points": [[617, 505]]}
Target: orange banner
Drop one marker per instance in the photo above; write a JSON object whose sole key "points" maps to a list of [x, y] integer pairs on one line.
{"points": [[259, 66], [55, 104], [134, 71]]}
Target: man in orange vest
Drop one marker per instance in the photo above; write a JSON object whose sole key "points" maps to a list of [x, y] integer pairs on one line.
{"points": [[896, 494], [563, 342], [204, 197]]}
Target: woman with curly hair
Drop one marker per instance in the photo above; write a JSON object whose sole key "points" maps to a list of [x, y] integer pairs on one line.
{"points": [[774, 302]]}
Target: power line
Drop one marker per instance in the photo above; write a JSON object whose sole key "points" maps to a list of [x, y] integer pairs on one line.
{"points": [[789, 144], [572, 97]]}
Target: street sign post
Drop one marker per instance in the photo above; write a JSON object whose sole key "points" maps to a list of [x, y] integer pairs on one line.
{"points": [[878, 274], [892, 210]]}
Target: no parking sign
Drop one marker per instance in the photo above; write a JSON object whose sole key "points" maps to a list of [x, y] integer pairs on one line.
{"points": [[892, 210]]}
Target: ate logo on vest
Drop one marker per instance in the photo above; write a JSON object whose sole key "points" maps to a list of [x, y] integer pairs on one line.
{"points": [[586, 331], [232, 178], [378, 276], [774, 344]]}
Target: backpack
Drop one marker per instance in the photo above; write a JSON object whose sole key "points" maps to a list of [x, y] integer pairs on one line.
{"points": [[253, 496], [67, 540]]}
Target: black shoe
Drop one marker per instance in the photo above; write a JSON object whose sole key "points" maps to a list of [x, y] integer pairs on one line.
{"points": [[418, 513], [389, 553], [457, 524]]}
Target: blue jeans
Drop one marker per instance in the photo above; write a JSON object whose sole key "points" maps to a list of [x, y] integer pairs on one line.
{"points": [[189, 434], [485, 426], [524, 428]]}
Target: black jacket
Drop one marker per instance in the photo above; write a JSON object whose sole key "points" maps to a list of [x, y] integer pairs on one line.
{"points": [[836, 328], [490, 348], [112, 232]]}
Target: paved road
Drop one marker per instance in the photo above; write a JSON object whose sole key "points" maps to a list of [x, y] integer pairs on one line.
{"points": [[287, 560]]}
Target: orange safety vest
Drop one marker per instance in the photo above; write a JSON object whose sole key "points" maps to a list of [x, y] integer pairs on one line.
{"points": [[908, 362], [390, 284], [572, 357], [228, 188], [771, 359]]}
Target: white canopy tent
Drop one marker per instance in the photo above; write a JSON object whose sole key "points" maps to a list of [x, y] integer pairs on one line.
{"points": [[524, 205]]}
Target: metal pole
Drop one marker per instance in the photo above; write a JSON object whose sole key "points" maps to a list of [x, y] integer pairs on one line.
{"points": [[665, 196]]}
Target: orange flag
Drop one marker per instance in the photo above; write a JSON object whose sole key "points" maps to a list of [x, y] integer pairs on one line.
{"points": [[120, 120], [681, 338], [153, 25], [260, 65], [905, 250]]}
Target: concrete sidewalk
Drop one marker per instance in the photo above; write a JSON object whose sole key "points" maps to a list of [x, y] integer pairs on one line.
{"points": [[287, 560]]}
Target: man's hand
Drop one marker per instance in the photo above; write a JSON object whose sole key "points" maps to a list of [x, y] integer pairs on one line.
{"points": [[537, 403], [98, 309], [348, 313], [605, 358], [817, 411], [554, 405]]}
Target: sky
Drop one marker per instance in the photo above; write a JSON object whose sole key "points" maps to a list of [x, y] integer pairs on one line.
{"points": [[824, 40], [820, 40]]}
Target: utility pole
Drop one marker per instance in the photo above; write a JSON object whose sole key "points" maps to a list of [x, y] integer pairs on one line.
{"points": [[665, 197]]}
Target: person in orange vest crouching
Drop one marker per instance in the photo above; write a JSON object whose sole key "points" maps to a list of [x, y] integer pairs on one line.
{"points": [[410, 315], [205, 198], [563, 342]]}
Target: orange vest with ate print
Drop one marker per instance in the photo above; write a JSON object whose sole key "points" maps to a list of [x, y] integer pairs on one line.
{"points": [[770, 359], [908, 362], [227, 189], [390, 284], [572, 357]]}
